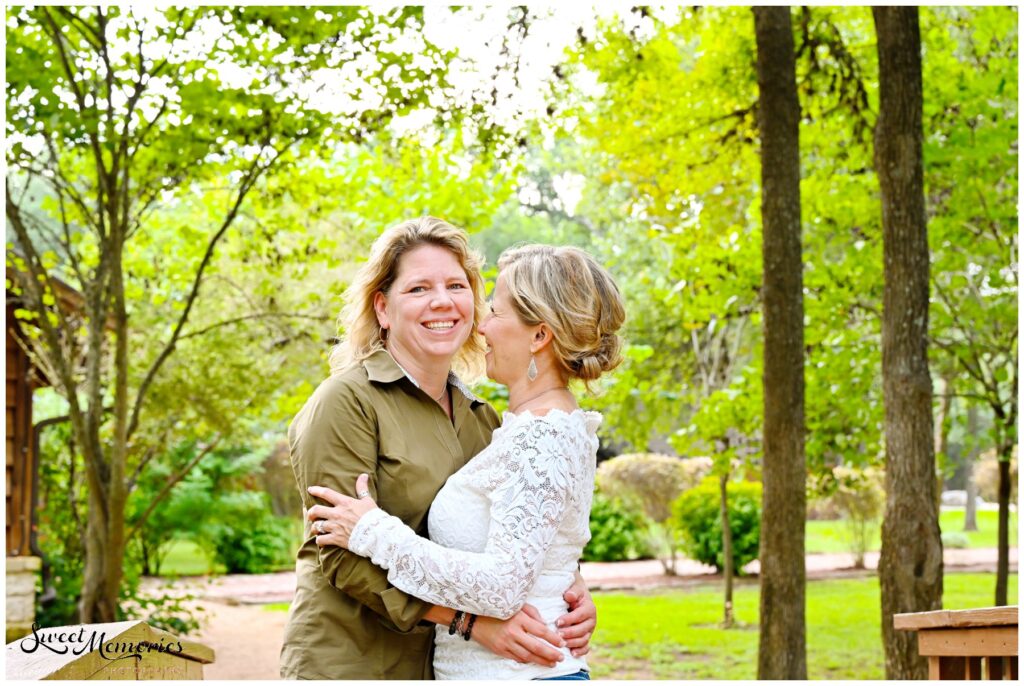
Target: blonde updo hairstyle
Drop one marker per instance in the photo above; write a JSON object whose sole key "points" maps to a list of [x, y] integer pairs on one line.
{"points": [[566, 289], [363, 333]]}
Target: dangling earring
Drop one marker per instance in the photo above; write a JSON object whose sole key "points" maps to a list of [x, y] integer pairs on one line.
{"points": [[382, 334], [531, 371]]}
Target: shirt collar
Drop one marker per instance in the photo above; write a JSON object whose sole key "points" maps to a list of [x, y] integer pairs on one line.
{"points": [[381, 367]]}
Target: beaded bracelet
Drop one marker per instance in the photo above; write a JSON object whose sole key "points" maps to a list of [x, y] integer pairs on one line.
{"points": [[469, 628], [454, 626]]}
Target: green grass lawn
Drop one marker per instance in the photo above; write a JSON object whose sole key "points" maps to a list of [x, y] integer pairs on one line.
{"points": [[832, 537], [674, 634], [185, 558]]}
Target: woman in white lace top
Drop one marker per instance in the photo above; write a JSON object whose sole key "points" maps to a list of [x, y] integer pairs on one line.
{"points": [[508, 529]]}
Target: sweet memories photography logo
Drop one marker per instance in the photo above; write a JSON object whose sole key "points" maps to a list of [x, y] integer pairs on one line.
{"points": [[62, 641]]}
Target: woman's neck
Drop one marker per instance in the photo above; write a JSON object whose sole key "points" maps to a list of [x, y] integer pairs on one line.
{"points": [[431, 380], [548, 390]]}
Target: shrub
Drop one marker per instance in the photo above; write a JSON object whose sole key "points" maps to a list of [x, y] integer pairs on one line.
{"points": [[860, 497], [697, 518], [616, 532], [247, 537], [651, 482], [986, 476]]}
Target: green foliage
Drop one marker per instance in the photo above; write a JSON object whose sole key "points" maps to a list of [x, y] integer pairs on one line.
{"points": [[246, 538], [986, 476], [59, 520], [616, 531], [61, 534], [216, 506], [858, 495], [668, 151], [697, 517], [650, 483], [970, 76]]}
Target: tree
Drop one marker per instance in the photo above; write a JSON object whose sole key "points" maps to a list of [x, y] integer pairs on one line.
{"points": [[910, 566], [782, 649], [113, 114], [971, 72]]}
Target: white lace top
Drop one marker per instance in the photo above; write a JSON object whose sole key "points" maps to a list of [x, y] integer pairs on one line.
{"points": [[506, 529]]}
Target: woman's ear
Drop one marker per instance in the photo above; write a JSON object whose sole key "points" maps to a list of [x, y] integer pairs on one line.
{"points": [[380, 306], [541, 338]]}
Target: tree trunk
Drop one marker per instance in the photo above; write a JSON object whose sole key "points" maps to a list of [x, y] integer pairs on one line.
{"points": [[727, 559], [782, 650], [1003, 562], [910, 566], [103, 570], [971, 506]]}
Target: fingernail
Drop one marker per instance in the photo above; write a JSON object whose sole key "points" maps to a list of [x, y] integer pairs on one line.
{"points": [[559, 623]]}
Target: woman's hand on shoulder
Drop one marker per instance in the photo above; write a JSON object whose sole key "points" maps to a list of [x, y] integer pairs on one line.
{"points": [[334, 523]]}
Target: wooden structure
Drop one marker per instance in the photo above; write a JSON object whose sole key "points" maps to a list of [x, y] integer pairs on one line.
{"points": [[966, 644], [117, 651], [22, 380], [23, 563]]}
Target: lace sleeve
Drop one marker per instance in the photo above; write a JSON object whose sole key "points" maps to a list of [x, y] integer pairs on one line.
{"points": [[529, 492]]}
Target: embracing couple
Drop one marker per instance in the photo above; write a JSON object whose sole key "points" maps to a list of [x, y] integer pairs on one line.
{"points": [[394, 434]]}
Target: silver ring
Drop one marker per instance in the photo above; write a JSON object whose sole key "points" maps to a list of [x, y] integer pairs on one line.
{"points": [[319, 525], [363, 494]]}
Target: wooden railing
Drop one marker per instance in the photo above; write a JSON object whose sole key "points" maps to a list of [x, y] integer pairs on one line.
{"points": [[966, 644]]}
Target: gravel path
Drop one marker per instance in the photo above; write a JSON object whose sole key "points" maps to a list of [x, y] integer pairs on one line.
{"points": [[247, 637]]}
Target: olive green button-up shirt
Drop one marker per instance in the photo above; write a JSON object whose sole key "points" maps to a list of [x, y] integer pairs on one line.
{"points": [[347, 621]]}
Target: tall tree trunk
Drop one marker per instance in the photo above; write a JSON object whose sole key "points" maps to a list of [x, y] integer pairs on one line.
{"points": [[910, 566], [727, 556], [782, 650], [1003, 535], [971, 506]]}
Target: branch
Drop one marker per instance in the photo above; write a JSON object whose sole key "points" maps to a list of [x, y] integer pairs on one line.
{"points": [[34, 290], [171, 483], [562, 214], [88, 32], [253, 173], [257, 315], [143, 461], [69, 72]]}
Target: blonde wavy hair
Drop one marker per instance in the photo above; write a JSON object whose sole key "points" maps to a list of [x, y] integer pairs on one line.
{"points": [[358, 319], [577, 298]]}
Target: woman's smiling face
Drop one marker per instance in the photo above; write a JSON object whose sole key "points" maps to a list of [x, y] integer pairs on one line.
{"points": [[508, 338], [428, 310]]}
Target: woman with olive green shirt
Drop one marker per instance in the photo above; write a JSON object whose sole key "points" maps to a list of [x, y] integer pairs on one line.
{"points": [[372, 419]]}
